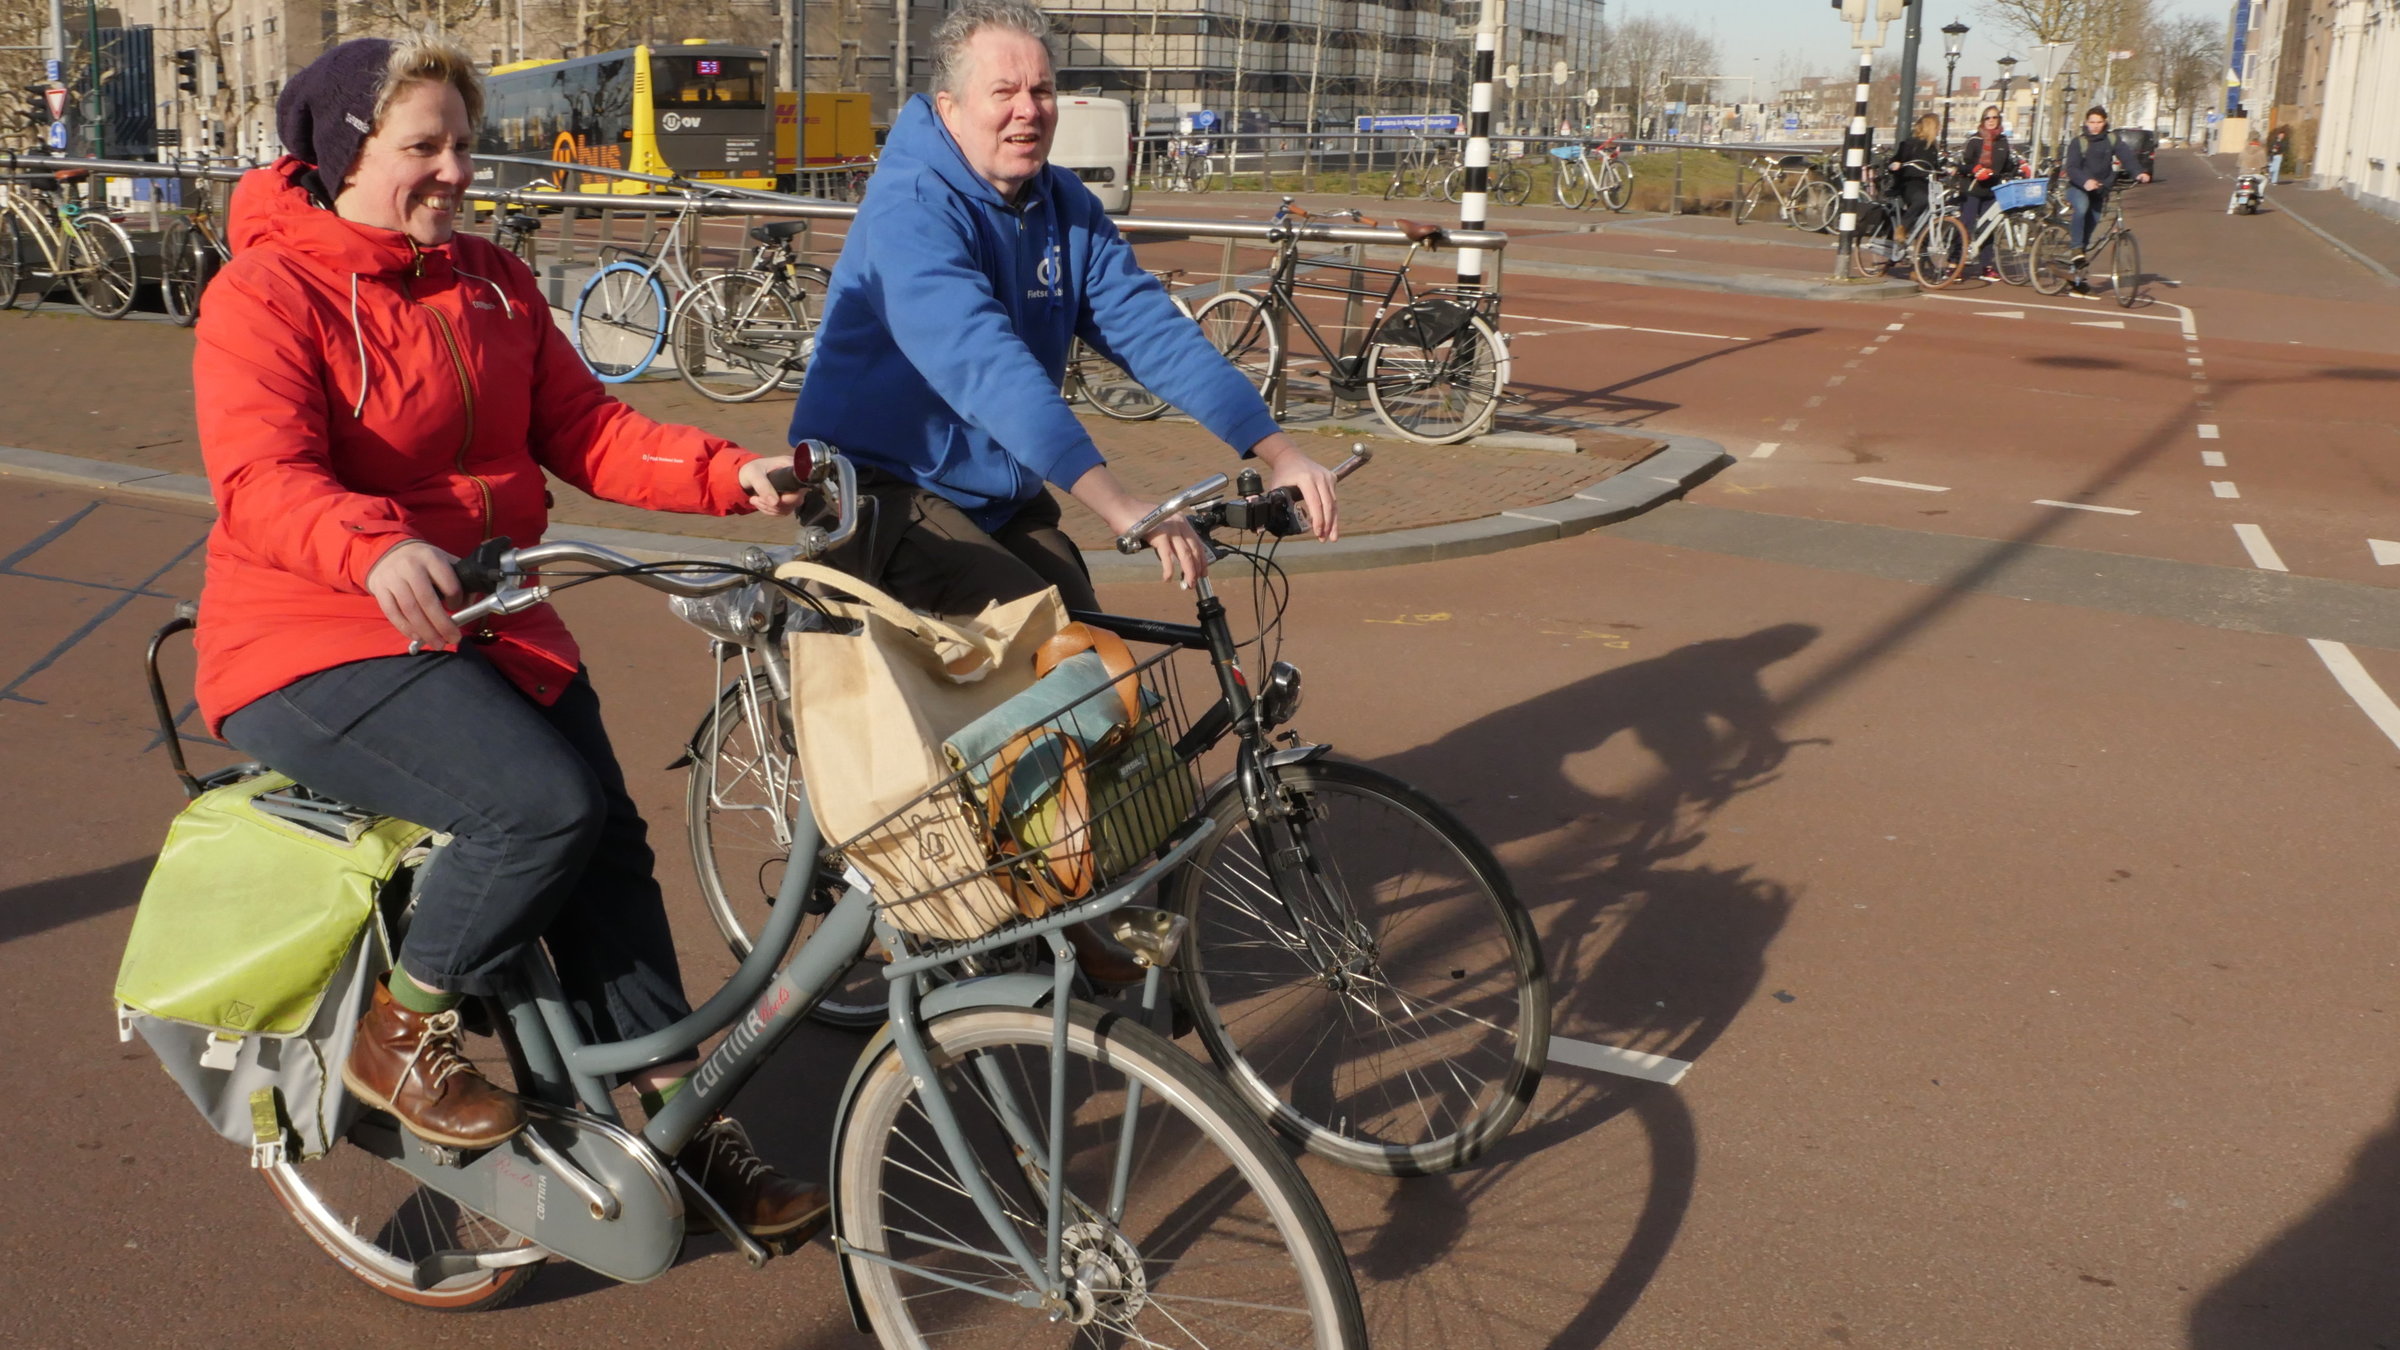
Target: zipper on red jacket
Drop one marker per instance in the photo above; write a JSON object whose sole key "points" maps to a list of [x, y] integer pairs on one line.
{"points": [[466, 387]]}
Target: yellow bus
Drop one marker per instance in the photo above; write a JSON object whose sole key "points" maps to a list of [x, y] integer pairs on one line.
{"points": [[704, 110]]}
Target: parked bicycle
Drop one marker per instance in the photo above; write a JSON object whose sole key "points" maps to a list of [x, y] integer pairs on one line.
{"points": [[46, 235], [189, 254], [1104, 386], [740, 333], [1803, 189], [1006, 1157], [621, 314], [1597, 173], [1430, 362], [1186, 166], [1327, 895], [1509, 182], [1417, 171]]}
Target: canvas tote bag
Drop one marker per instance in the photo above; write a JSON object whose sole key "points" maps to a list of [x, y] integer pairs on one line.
{"points": [[873, 709]]}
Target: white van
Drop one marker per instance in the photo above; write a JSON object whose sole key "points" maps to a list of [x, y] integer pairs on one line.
{"points": [[1095, 142]]}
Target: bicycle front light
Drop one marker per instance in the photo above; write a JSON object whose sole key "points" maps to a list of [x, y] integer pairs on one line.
{"points": [[1279, 698]]}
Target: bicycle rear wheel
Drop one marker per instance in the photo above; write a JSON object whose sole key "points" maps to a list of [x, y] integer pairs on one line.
{"points": [[1440, 393], [1108, 390], [1752, 197], [1185, 1223], [1360, 968], [620, 321], [105, 276], [1616, 186], [13, 253], [738, 807], [1516, 184], [735, 336], [2125, 269], [2053, 258], [183, 261], [1813, 206], [1235, 323], [1203, 173], [377, 1222], [1454, 183]]}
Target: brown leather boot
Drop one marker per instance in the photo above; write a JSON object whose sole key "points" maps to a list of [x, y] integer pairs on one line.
{"points": [[408, 1063], [1101, 959], [763, 1201]]}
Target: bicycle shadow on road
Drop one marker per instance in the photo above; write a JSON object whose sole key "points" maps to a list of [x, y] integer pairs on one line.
{"points": [[39, 906], [2326, 1279], [1646, 950]]}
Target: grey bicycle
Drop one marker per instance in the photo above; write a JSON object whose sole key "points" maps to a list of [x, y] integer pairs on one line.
{"points": [[1011, 1166]]}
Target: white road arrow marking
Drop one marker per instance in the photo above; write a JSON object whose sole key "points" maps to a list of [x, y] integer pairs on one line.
{"points": [[2386, 552], [1999, 314], [2098, 323]]}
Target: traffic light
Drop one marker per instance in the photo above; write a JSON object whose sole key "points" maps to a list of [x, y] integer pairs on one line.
{"points": [[187, 70], [37, 106]]}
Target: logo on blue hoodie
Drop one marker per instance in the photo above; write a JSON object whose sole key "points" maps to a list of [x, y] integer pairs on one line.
{"points": [[1045, 272]]}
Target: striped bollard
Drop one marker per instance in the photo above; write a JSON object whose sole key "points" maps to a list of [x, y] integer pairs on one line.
{"points": [[1854, 164], [1474, 202]]}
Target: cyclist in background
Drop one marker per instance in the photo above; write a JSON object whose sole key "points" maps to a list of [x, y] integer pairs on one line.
{"points": [[376, 395], [1985, 161], [2090, 167], [1913, 164]]}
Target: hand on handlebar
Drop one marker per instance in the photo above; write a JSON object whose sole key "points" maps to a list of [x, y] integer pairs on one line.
{"points": [[1287, 466], [766, 495], [1183, 557], [417, 587]]}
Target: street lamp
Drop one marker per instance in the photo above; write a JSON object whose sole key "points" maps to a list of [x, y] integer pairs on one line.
{"points": [[1954, 37]]}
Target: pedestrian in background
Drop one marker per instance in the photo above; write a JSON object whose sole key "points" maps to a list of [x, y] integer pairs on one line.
{"points": [[1985, 161]]}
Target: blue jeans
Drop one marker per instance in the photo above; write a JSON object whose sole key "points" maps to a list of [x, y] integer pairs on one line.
{"points": [[546, 844], [2083, 213]]}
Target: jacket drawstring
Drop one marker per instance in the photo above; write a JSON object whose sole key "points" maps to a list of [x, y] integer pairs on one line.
{"points": [[505, 307], [358, 410]]}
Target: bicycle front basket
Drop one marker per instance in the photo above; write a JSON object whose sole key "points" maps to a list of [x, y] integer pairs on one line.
{"points": [[2019, 193]]}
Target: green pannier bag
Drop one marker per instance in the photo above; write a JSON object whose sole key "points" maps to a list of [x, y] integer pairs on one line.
{"points": [[252, 952]]}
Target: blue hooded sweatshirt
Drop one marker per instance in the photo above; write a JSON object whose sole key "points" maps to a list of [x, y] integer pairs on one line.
{"points": [[948, 324]]}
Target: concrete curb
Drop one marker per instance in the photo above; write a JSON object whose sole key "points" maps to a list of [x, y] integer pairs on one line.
{"points": [[1664, 474], [1732, 283]]}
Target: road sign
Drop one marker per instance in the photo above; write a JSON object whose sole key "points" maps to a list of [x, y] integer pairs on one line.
{"points": [[1591, 98], [1445, 123], [1559, 72], [57, 99], [1791, 121], [50, 71], [58, 136]]}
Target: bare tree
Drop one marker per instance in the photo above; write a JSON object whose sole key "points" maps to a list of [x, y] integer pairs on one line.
{"points": [[2181, 56], [1645, 51]]}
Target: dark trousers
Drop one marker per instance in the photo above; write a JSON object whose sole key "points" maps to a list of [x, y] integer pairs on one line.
{"points": [[1914, 198], [2083, 214], [924, 551], [1970, 214], [545, 841]]}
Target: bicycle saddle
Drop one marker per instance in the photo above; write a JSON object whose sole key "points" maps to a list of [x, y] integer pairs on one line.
{"points": [[777, 232], [1420, 233]]}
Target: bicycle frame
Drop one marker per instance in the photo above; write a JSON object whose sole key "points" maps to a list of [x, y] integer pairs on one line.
{"points": [[1283, 289]]}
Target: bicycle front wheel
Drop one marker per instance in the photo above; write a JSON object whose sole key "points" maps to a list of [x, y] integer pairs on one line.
{"points": [[2053, 258], [183, 271], [738, 808], [1752, 197], [1940, 256], [1204, 174], [620, 321], [1440, 393], [803, 287], [2012, 249], [735, 336], [13, 252], [1185, 1224], [2125, 269], [1813, 206], [1454, 183], [1573, 185], [1235, 323], [1359, 966], [1616, 187], [105, 276]]}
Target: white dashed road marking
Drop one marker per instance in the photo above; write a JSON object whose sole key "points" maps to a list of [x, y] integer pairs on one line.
{"points": [[2262, 553], [2224, 489], [2358, 684], [1894, 482], [2214, 459], [2087, 506], [2386, 552], [1609, 1059], [1766, 448], [2208, 431]]}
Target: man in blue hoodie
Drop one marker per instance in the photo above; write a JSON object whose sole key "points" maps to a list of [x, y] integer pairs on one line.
{"points": [[967, 275]]}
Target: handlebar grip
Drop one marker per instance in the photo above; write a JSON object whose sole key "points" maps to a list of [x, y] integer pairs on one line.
{"points": [[480, 573], [785, 479]]}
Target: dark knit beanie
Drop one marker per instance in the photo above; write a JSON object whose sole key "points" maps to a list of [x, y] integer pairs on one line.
{"points": [[328, 110]]}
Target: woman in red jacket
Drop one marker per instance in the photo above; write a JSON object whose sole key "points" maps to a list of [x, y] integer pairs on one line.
{"points": [[377, 395]]}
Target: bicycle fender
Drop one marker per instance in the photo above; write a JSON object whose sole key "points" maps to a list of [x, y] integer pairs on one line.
{"points": [[691, 743], [1273, 759], [1022, 989]]}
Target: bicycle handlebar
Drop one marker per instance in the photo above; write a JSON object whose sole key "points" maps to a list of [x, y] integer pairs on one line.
{"points": [[1273, 512], [492, 568]]}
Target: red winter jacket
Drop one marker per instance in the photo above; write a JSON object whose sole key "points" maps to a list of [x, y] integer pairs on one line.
{"points": [[355, 390]]}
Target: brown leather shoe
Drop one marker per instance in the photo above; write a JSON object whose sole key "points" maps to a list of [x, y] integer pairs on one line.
{"points": [[1101, 959], [763, 1201], [408, 1063]]}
